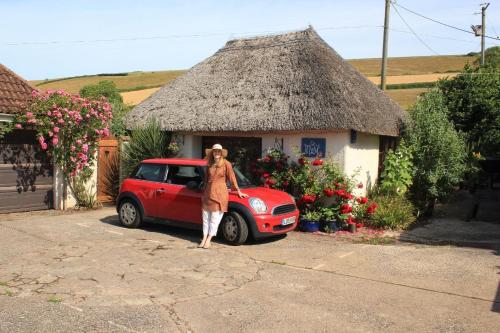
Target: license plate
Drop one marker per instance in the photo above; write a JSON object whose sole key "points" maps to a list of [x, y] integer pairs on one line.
{"points": [[288, 220]]}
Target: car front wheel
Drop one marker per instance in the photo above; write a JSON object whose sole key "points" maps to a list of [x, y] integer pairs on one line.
{"points": [[234, 228], [129, 214]]}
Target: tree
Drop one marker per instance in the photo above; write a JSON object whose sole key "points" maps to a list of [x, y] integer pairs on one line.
{"points": [[108, 89], [491, 57], [438, 151], [472, 100]]}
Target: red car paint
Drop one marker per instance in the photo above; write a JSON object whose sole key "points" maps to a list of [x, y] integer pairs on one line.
{"points": [[171, 202]]}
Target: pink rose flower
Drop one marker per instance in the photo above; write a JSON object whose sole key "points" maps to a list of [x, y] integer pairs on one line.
{"points": [[44, 146], [56, 129], [19, 126], [72, 148], [78, 142], [85, 148], [61, 121], [29, 114], [105, 131], [55, 140], [51, 133]]}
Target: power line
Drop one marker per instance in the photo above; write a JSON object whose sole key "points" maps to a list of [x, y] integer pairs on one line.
{"points": [[414, 33], [434, 36], [439, 22], [178, 36]]}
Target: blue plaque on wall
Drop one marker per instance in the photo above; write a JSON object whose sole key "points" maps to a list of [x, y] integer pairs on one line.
{"points": [[313, 147]]}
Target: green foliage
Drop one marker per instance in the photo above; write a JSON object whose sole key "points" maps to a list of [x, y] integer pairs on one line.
{"points": [[312, 216], [108, 89], [147, 142], [472, 100], [411, 85], [85, 196], [438, 150], [103, 88], [5, 127], [393, 212], [491, 57], [398, 170]]}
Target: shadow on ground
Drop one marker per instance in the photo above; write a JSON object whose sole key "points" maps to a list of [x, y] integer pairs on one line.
{"points": [[193, 236]]}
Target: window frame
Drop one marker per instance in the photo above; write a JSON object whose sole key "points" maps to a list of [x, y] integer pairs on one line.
{"points": [[162, 172]]}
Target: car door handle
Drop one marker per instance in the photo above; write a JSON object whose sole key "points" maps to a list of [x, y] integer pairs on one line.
{"points": [[161, 190]]}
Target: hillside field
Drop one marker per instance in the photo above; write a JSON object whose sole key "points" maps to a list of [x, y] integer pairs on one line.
{"points": [[136, 86]]}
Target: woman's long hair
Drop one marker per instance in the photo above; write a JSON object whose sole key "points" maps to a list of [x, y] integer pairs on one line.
{"points": [[211, 160]]}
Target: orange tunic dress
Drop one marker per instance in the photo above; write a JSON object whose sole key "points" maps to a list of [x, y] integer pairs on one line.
{"points": [[216, 196]]}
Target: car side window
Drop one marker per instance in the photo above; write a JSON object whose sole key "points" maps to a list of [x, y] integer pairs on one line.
{"points": [[182, 174], [151, 172]]}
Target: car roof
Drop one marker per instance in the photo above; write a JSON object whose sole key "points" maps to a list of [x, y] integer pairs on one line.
{"points": [[184, 161]]}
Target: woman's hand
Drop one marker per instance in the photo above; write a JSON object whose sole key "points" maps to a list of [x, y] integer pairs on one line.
{"points": [[242, 195]]}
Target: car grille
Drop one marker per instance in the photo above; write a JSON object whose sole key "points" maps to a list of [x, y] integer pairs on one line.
{"points": [[281, 227], [278, 210]]}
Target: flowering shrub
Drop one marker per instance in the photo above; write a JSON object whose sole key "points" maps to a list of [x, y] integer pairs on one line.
{"points": [[68, 129], [317, 185]]}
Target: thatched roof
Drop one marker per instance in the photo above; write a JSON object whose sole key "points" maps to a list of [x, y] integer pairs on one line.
{"points": [[15, 92], [288, 82]]}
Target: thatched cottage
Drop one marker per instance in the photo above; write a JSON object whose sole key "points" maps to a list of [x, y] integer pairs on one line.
{"points": [[282, 91]]}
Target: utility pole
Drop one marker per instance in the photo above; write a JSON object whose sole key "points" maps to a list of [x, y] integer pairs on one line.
{"points": [[384, 46], [483, 28]]}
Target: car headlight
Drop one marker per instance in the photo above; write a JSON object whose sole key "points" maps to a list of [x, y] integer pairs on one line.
{"points": [[258, 205]]}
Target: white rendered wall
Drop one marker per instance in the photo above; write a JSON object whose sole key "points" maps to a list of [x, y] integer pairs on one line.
{"points": [[362, 160], [70, 199]]}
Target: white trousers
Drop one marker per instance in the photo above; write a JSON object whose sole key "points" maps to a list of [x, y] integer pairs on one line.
{"points": [[211, 221]]}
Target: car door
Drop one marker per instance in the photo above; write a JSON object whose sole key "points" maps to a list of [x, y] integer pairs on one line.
{"points": [[176, 201], [146, 182]]}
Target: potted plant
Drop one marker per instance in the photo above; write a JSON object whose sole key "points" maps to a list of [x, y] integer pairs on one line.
{"points": [[310, 221], [329, 220]]}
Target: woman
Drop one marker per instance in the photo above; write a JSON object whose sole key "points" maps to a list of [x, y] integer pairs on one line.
{"points": [[215, 197]]}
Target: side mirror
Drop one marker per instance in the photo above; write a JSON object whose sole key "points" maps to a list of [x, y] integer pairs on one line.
{"points": [[192, 185]]}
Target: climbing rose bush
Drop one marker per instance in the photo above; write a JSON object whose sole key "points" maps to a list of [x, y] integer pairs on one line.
{"points": [[68, 128]]}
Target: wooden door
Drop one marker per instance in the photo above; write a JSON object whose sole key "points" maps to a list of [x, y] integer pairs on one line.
{"points": [[108, 170]]}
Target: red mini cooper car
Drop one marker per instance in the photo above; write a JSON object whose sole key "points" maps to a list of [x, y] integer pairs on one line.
{"points": [[169, 190]]}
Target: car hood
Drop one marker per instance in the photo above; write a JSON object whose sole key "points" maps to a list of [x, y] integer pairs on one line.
{"points": [[271, 197]]}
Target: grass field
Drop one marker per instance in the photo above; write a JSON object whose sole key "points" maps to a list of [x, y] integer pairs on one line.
{"points": [[413, 65], [133, 81], [137, 86]]}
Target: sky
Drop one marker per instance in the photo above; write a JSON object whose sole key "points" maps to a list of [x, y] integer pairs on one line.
{"points": [[49, 39]]}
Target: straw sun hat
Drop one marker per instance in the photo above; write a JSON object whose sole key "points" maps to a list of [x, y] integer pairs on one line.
{"points": [[208, 152]]}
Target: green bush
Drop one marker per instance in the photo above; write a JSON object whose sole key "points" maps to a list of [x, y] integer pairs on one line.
{"points": [[147, 142], [398, 170], [472, 101], [393, 212], [438, 151]]}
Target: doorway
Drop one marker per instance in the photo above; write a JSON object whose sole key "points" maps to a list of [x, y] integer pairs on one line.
{"points": [[242, 151]]}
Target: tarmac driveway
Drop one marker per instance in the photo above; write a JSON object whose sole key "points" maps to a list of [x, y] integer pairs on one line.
{"points": [[82, 272]]}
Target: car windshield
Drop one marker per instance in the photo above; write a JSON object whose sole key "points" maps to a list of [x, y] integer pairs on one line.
{"points": [[242, 180]]}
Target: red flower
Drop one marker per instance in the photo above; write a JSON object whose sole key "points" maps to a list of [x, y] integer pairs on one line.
{"points": [[359, 225], [266, 175], [285, 183], [345, 209], [317, 162], [371, 209], [328, 192], [341, 193], [360, 185], [302, 161], [350, 220], [266, 159], [270, 181], [309, 198], [362, 200]]}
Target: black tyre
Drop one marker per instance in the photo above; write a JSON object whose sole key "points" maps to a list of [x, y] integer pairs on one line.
{"points": [[129, 214], [234, 228]]}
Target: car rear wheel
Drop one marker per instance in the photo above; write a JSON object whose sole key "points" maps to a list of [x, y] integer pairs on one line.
{"points": [[129, 214], [234, 228]]}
